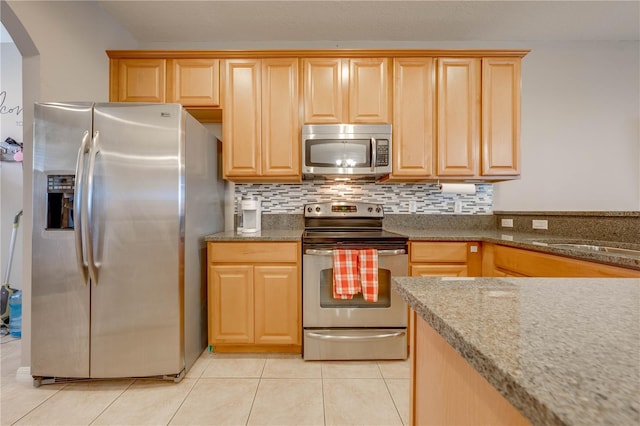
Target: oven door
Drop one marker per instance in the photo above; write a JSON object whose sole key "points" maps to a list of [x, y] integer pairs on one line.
{"points": [[320, 309]]}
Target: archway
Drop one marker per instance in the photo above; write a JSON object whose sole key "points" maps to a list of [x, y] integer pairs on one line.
{"points": [[30, 94]]}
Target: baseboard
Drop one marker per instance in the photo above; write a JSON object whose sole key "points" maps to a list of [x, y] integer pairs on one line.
{"points": [[24, 374]]}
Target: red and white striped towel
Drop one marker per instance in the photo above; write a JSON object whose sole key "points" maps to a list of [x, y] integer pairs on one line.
{"points": [[346, 275], [368, 265]]}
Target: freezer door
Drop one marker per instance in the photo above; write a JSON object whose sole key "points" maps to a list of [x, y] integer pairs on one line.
{"points": [[136, 191], [59, 293]]}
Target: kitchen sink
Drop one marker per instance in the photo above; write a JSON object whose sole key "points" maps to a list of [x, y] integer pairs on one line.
{"points": [[594, 247]]}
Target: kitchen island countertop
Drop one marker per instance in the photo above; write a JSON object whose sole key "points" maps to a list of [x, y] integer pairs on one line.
{"points": [[561, 350]]}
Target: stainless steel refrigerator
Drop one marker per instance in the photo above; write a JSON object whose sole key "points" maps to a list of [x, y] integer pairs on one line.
{"points": [[123, 195]]}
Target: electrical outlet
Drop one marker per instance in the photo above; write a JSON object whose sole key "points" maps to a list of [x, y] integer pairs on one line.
{"points": [[412, 206], [539, 224], [506, 223]]}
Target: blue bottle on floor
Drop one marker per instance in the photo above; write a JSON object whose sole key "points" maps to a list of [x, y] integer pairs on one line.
{"points": [[15, 314]]}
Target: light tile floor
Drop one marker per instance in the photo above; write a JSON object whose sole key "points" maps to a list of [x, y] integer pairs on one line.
{"points": [[230, 389]]}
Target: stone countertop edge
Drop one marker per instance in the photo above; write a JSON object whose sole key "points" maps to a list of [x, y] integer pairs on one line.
{"points": [[263, 235], [540, 406], [533, 410]]}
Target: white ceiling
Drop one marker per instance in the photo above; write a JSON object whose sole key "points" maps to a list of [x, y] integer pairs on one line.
{"points": [[181, 21]]}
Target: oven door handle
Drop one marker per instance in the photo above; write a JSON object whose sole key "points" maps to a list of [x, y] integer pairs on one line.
{"points": [[339, 337], [317, 252]]}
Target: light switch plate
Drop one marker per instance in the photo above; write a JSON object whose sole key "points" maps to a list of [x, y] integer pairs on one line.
{"points": [[539, 224], [412, 206], [506, 223]]}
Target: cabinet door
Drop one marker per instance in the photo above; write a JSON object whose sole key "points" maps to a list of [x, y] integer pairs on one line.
{"points": [[500, 116], [369, 90], [141, 80], [280, 118], [458, 110], [194, 82], [231, 304], [413, 120], [241, 118], [436, 270], [277, 305], [325, 90]]}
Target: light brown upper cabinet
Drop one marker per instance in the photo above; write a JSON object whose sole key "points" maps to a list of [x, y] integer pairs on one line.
{"points": [[501, 87], [341, 90], [190, 82], [194, 82], [138, 80], [413, 118], [458, 111], [455, 113], [261, 119], [475, 94]]}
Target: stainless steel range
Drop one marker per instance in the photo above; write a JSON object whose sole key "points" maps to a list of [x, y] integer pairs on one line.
{"points": [[351, 329]]}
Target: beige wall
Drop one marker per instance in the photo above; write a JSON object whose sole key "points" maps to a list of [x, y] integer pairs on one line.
{"points": [[10, 172], [580, 129]]}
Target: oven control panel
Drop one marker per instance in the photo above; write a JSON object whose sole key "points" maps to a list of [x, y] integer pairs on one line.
{"points": [[344, 209]]}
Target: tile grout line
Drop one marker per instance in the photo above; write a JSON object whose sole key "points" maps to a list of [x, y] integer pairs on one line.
{"points": [[195, 382], [324, 404], [111, 403], [255, 394]]}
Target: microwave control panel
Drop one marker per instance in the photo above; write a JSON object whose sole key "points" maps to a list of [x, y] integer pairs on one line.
{"points": [[382, 152]]}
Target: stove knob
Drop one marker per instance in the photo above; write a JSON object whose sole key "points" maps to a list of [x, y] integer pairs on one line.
{"points": [[377, 209], [309, 209], [318, 209], [370, 209]]}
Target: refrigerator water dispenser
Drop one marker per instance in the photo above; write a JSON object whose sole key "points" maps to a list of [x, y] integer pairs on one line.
{"points": [[60, 201]]}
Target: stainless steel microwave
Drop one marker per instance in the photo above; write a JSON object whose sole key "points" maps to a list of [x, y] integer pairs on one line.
{"points": [[346, 150]]}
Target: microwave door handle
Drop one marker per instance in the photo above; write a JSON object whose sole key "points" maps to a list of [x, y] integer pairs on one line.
{"points": [[374, 154]]}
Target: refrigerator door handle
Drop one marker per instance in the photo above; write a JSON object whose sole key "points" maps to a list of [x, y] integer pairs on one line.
{"points": [[87, 210], [77, 199]]}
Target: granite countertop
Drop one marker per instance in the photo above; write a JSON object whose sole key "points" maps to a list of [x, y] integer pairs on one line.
{"points": [[262, 235], [563, 351], [530, 242], [518, 240]]}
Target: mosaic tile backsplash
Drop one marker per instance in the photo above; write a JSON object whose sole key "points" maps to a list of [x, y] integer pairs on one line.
{"points": [[290, 198]]}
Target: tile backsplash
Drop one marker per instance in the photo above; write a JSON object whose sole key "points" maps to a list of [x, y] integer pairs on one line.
{"points": [[290, 198]]}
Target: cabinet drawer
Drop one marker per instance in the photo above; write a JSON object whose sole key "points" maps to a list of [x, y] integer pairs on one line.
{"points": [[439, 270], [434, 252], [243, 252]]}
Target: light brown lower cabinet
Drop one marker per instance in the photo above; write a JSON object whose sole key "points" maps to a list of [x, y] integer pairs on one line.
{"points": [[447, 390], [445, 259], [254, 296], [503, 261]]}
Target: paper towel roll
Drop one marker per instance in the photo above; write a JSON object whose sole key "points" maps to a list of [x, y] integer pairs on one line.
{"points": [[458, 188]]}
